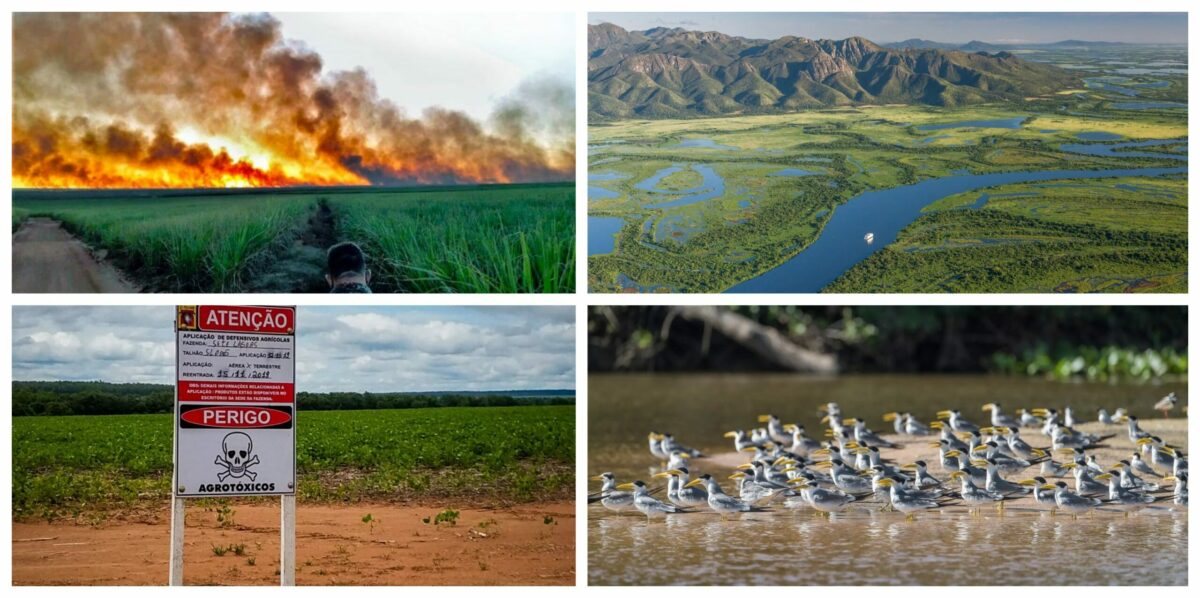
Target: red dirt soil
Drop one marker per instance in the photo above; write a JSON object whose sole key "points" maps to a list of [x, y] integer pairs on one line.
{"points": [[509, 546]]}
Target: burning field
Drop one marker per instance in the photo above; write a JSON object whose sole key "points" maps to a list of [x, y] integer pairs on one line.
{"points": [[130, 130], [154, 100]]}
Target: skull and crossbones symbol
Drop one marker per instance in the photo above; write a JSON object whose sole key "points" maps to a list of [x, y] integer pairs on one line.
{"points": [[236, 457]]}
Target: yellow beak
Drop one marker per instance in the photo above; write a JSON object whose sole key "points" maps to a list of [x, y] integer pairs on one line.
{"points": [[695, 482], [889, 417], [625, 486]]}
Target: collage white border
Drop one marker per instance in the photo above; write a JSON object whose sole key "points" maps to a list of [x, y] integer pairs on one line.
{"points": [[580, 300]]}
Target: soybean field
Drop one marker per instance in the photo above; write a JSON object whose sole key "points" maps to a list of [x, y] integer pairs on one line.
{"points": [[63, 466]]}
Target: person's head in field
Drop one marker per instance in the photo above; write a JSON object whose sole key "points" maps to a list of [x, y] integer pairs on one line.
{"points": [[347, 270]]}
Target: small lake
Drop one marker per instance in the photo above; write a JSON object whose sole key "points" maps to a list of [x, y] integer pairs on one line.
{"points": [[1147, 105], [1113, 87], [1001, 123], [711, 187], [1097, 136], [1117, 150], [602, 233], [860, 546], [794, 172], [705, 144], [595, 193], [886, 212]]}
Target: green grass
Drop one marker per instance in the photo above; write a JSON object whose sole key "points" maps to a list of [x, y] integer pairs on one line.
{"points": [[501, 239], [518, 240], [68, 465]]}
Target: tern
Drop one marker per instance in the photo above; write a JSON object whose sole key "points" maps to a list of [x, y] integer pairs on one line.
{"points": [[651, 507], [612, 498]]}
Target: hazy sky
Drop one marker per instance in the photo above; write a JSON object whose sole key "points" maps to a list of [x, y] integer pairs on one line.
{"points": [[943, 27], [460, 61], [357, 349]]}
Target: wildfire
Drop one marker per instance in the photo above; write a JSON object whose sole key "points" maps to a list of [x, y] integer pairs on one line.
{"points": [[213, 100]]}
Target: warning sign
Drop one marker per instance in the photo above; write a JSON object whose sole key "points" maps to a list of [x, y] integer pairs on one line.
{"points": [[235, 401]]}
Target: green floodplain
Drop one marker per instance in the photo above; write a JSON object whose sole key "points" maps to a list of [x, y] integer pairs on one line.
{"points": [[702, 205]]}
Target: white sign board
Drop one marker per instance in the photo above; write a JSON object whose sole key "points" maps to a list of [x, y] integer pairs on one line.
{"points": [[235, 408]]}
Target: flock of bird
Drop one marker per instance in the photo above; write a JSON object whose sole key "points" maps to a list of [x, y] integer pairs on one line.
{"points": [[788, 467]]}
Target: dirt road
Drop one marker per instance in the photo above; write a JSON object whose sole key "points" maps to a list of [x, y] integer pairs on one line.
{"points": [[525, 545], [48, 259]]}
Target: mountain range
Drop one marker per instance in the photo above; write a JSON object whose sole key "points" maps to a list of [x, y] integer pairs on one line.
{"points": [[672, 73], [978, 46]]}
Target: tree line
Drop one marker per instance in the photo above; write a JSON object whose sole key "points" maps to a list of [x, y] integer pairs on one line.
{"points": [[105, 398]]}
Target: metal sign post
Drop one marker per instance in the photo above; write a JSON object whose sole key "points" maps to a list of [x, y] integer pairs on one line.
{"points": [[235, 412]]}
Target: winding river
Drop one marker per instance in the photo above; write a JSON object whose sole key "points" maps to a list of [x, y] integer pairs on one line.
{"points": [[886, 212]]}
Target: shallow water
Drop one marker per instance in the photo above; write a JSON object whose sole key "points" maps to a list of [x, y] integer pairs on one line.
{"points": [[1002, 123], [1097, 136], [794, 172], [1147, 105], [705, 143], [711, 187], [602, 233], [862, 545]]}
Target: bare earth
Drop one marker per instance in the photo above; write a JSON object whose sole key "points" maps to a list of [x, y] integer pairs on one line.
{"points": [[48, 259], [510, 546]]}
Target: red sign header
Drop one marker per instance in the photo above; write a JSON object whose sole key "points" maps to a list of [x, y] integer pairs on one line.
{"points": [[242, 318], [236, 416]]}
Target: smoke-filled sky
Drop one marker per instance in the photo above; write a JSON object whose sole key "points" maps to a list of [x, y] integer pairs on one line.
{"points": [[355, 349], [216, 100], [948, 27]]}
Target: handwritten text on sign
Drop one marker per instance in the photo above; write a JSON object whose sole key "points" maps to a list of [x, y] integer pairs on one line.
{"points": [[236, 366]]}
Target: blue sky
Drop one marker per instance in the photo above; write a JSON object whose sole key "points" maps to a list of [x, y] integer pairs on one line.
{"points": [[462, 61], [376, 349], [943, 27]]}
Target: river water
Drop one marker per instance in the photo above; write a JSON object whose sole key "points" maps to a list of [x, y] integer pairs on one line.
{"points": [[1019, 546], [886, 212]]}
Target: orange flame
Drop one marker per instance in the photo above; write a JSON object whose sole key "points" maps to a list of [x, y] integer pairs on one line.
{"points": [[99, 99]]}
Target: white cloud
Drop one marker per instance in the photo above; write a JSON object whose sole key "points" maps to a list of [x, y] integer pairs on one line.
{"points": [[377, 349]]}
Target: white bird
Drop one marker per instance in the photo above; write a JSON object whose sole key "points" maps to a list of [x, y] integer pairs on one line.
{"points": [[612, 498], [1166, 404], [651, 507]]}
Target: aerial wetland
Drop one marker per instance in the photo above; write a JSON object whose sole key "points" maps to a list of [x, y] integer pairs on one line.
{"points": [[1080, 189]]}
